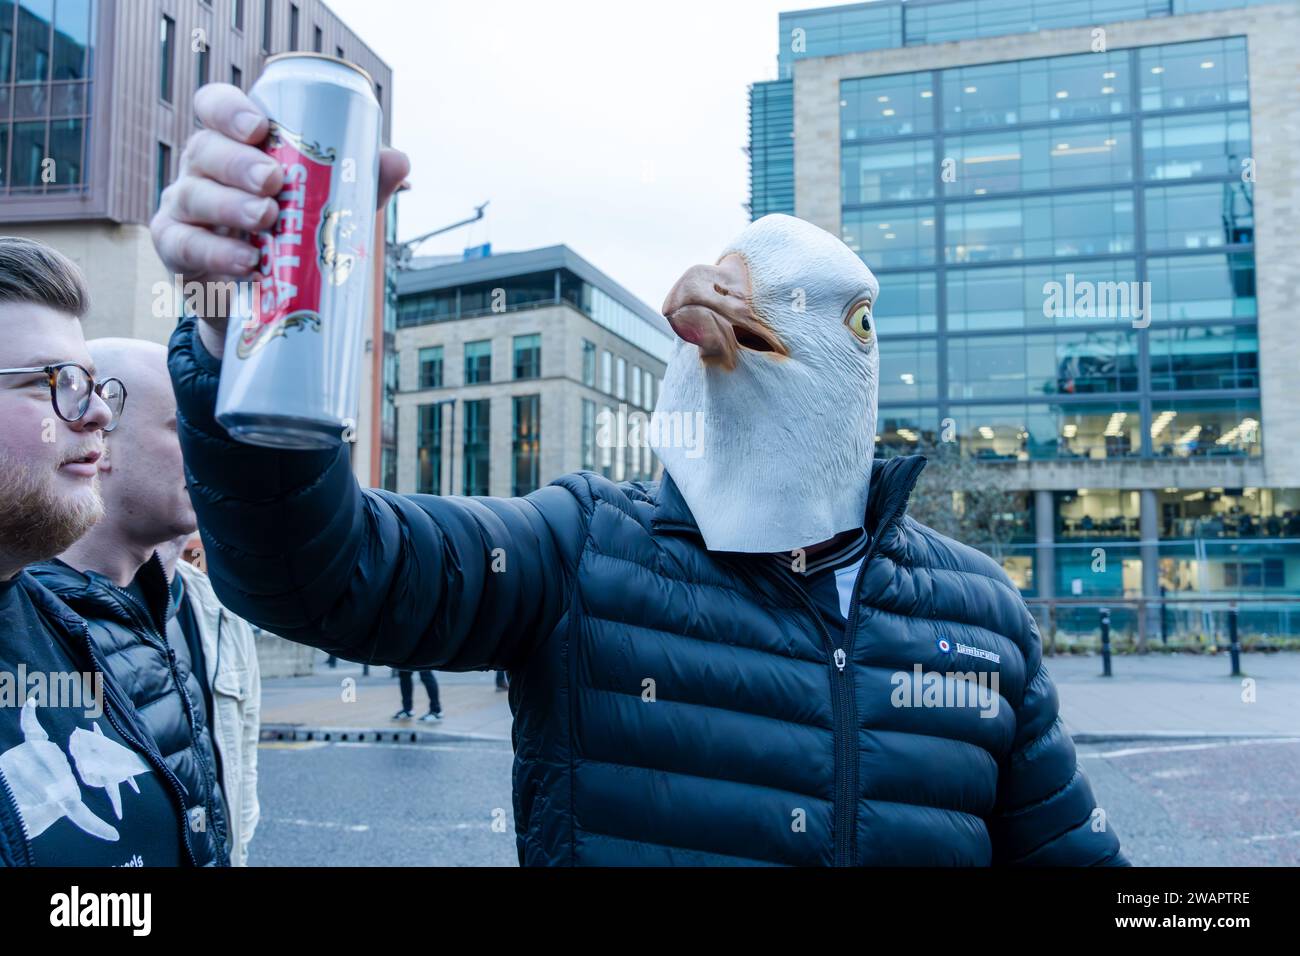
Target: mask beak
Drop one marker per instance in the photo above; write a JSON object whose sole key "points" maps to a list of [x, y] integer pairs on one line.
{"points": [[709, 307], [708, 331]]}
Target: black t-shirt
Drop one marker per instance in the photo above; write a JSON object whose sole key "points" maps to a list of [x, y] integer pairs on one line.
{"points": [[85, 796]]}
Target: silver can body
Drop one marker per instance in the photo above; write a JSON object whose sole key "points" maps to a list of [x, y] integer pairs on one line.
{"points": [[292, 366]]}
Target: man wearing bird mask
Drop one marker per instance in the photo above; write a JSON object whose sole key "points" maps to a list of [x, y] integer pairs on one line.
{"points": [[759, 659]]}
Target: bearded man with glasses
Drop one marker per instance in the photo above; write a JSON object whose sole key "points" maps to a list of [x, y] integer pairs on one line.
{"points": [[81, 779]]}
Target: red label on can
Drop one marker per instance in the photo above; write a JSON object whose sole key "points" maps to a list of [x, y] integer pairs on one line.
{"points": [[303, 251]]}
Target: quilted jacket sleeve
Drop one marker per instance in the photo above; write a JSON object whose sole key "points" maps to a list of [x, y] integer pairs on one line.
{"points": [[1046, 814], [297, 547]]}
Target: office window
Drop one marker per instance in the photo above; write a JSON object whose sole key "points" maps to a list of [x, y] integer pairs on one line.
{"points": [[162, 172], [478, 430], [293, 26], [1062, 157], [900, 430], [1064, 363], [606, 372], [65, 149], [166, 54], [429, 451], [52, 43], [29, 151], [910, 305], [268, 19], [1086, 87], [1200, 216], [588, 434], [1067, 224], [201, 64], [893, 237], [1204, 357], [236, 77], [909, 370], [1020, 432], [478, 362], [338, 52], [237, 14], [426, 307], [605, 431], [1214, 428], [649, 390], [882, 172], [528, 356], [589, 363], [1188, 75], [316, 39], [620, 378], [526, 444], [876, 107], [431, 367], [1202, 287], [636, 385], [379, 94], [1019, 296], [1203, 144]]}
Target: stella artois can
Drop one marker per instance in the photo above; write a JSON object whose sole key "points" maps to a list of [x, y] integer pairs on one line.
{"points": [[291, 371]]}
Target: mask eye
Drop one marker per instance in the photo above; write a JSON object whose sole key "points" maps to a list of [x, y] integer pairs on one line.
{"points": [[859, 322]]}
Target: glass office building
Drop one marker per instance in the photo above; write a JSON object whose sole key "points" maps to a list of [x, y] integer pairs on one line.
{"points": [[1066, 247]]}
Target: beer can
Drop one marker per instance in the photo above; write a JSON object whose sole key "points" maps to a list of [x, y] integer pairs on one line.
{"points": [[291, 371]]}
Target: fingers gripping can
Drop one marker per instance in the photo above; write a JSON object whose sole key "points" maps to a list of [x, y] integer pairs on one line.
{"points": [[291, 371]]}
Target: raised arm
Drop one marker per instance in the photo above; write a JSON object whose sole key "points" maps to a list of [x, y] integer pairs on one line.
{"points": [[293, 544]]}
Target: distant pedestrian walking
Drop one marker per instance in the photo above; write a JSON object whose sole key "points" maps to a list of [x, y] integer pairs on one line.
{"points": [[408, 696]]}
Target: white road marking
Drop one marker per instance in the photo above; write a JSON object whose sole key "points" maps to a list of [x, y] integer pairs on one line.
{"points": [[1131, 751]]}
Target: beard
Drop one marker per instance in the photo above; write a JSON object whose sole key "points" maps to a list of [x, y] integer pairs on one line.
{"points": [[36, 522]]}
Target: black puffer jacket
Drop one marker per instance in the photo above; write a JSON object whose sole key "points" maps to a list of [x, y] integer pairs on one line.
{"points": [[167, 696], [672, 705]]}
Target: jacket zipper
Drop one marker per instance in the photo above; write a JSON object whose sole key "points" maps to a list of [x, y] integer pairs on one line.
{"points": [[24, 848], [159, 764], [845, 713], [210, 772], [844, 719]]}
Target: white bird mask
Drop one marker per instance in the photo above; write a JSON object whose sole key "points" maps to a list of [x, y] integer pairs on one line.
{"points": [[777, 362]]}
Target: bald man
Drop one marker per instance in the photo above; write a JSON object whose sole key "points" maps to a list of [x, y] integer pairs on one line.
{"points": [[115, 579]]}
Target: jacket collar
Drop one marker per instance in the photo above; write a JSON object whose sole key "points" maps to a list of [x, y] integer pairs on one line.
{"points": [[892, 481], [94, 595]]}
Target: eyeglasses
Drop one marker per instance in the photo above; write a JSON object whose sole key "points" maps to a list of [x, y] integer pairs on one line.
{"points": [[71, 387]]}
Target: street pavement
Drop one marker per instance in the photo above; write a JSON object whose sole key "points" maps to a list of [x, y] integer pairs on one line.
{"points": [[1192, 767], [1149, 696], [1210, 803]]}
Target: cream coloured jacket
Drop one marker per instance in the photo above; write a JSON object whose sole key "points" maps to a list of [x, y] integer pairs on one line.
{"points": [[230, 655]]}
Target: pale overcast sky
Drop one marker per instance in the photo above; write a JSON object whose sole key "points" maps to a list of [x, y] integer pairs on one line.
{"points": [[613, 127]]}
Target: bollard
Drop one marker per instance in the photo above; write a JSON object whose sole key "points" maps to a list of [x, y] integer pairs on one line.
{"points": [[1234, 645], [1164, 618], [1105, 642]]}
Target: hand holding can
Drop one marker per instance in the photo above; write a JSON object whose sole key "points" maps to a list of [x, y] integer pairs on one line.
{"points": [[224, 195]]}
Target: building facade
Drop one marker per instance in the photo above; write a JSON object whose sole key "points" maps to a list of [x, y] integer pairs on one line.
{"points": [[1082, 215], [515, 369], [96, 106]]}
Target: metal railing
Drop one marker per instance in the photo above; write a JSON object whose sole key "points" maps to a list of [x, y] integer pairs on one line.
{"points": [[1199, 622]]}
